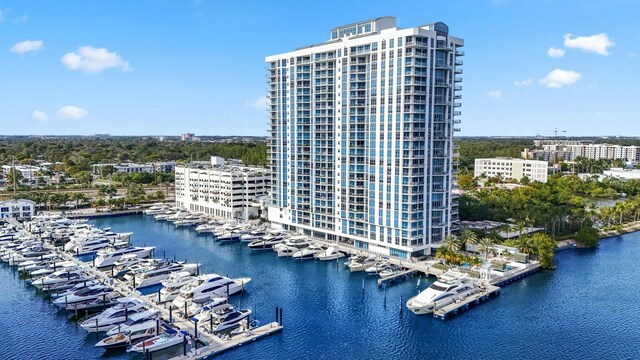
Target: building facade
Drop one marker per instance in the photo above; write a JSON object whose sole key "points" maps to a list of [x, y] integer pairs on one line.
{"points": [[508, 168], [596, 151], [228, 192], [133, 168], [361, 146], [18, 209], [29, 172]]}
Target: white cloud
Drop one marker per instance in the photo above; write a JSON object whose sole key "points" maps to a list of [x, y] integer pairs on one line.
{"points": [[495, 94], [26, 46], [94, 60], [555, 52], [260, 103], [71, 112], [598, 43], [523, 83], [39, 115], [559, 78]]}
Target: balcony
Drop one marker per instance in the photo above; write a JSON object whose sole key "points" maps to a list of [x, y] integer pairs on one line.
{"points": [[458, 79], [459, 63], [459, 52], [441, 82]]}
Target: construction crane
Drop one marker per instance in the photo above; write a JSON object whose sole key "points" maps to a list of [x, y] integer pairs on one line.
{"points": [[555, 132]]}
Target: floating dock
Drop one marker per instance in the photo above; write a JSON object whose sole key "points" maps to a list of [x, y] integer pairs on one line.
{"points": [[212, 350], [396, 276], [454, 308]]}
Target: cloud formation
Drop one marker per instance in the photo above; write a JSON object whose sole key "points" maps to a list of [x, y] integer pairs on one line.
{"points": [[26, 46], [1, 15], [598, 43], [71, 112], [39, 115], [559, 78], [523, 83], [495, 94], [260, 103], [555, 52], [94, 60]]}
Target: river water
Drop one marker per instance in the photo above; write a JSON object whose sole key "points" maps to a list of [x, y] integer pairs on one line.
{"points": [[588, 308]]}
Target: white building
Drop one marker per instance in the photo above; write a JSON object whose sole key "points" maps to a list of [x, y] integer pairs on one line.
{"points": [[222, 191], [361, 146], [597, 151], [19, 209], [29, 172], [132, 168], [509, 168], [622, 174]]}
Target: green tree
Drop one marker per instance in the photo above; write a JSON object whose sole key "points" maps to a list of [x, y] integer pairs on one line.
{"points": [[587, 237], [485, 245], [545, 249], [14, 177]]}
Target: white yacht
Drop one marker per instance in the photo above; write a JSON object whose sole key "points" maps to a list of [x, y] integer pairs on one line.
{"points": [[449, 287], [172, 285], [156, 274], [308, 253], [330, 254], [222, 318], [360, 263], [209, 286], [108, 256], [113, 316], [165, 340], [195, 308], [96, 292], [130, 332]]}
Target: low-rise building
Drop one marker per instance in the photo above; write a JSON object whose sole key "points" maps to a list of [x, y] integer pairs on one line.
{"points": [[510, 168], [622, 174], [221, 190], [19, 209], [29, 172], [132, 168]]}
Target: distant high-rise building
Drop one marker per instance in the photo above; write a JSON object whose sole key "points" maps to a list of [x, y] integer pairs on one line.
{"points": [[188, 137], [361, 146]]}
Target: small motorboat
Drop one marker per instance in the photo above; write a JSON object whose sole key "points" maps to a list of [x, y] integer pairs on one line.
{"points": [[330, 254]]}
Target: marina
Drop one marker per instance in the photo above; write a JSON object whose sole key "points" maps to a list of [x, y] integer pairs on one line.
{"points": [[186, 243]]}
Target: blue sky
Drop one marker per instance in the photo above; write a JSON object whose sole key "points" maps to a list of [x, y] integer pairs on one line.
{"points": [[168, 67]]}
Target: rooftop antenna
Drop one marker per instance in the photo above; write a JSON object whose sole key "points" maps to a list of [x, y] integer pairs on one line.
{"points": [[555, 134]]}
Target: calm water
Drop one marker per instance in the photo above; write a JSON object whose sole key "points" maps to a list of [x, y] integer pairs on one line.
{"points": [[588, 308]]}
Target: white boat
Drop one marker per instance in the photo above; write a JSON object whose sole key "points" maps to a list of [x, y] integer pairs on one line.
{"points": [[251, 236], [143, 330], [308, 253], [266, 242], [172, 285], [361, 263], [330, 254], [196, 308], [285, 250], [108, 256], [156, 274], [376, 267], [165, 340], [113, 316], [221, 318], [450, 287], [57, 277], [208, 287], [99, 292]]}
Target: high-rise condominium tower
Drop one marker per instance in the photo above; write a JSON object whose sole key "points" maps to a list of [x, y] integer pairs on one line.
{"points": [[361, 127]]}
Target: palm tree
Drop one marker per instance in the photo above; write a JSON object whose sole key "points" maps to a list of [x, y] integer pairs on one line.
{"points": [[486, 244], [452, 243], [467, 237], [525, 245]]}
